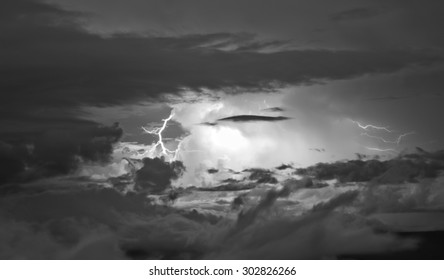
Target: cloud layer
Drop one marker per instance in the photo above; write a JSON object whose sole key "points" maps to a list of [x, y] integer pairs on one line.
{"points": [[54, 62]]}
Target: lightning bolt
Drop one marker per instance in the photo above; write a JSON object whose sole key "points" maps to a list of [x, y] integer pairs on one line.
{"points": [[367, 126], [171, 155], [396, 142]]}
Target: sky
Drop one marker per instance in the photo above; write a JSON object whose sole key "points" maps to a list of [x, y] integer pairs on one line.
{"points": [[79, 77], [193, 129]]}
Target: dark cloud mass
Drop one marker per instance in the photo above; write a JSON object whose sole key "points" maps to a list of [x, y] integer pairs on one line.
{"points": [[50, 59], [75, 219], [56, 151], [254, 118], [156, 174], [246, 119]]}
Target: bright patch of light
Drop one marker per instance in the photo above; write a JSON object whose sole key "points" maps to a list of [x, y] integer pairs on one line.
{"points": [[227, 140]]}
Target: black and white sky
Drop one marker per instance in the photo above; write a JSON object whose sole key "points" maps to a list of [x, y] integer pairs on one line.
{"points": [[192, 129], [320, 70]]}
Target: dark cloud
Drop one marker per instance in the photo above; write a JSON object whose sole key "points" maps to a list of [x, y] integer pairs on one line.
{"points": [[52, 61], [231, 186], [247, 118], [56, 151], [355, 14], [248, 217], [405, 168], [156, 174], [59, 148], [400, 23], [284, 166], [212, 170], [262, 176], [342, 199], [69, 219], [253, 118]]}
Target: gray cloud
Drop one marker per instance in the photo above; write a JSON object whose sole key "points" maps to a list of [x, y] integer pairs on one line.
{"points": [[273, 109], [56, 151], [254, 118]]}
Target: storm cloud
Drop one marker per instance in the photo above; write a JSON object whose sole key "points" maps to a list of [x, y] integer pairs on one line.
{"points": [[53, 66], [276, 86], [57, 151], [49, 58]]}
